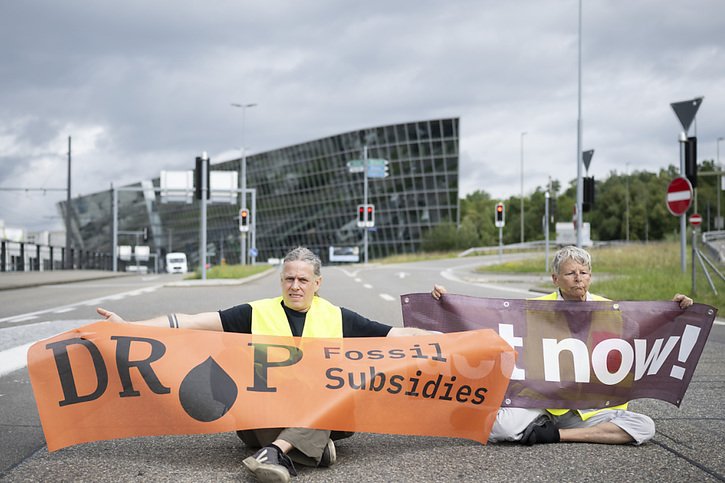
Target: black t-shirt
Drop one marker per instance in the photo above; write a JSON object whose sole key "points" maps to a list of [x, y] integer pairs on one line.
{"points": [[239, 319]]}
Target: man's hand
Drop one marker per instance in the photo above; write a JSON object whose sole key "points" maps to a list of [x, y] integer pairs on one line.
{"points": [[438, 291], [109, 316], [684, 300]]}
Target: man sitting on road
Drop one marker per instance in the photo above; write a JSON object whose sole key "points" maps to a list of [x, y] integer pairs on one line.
{"points": [[297, 312], [572, 275]]}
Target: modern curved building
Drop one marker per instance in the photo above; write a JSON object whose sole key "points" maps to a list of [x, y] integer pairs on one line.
{"points": [[306, 194]]}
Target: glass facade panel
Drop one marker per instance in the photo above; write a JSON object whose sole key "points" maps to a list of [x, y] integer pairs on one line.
{"points": [[305, 195]]}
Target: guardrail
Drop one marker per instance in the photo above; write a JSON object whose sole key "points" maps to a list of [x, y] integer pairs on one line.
{"points": [[33, 257], [714, 242]]}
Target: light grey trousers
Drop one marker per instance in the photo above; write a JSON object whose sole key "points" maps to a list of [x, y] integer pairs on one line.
{"points": [[511, 423]]}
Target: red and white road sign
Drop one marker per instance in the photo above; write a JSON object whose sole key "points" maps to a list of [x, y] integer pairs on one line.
{"points": [[695, 219], [679, 196]]}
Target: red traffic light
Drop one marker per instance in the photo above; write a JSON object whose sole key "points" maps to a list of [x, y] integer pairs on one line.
{"points": [[244, 217], [499, 218]]}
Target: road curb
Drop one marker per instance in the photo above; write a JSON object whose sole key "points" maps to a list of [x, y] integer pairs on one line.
{"points": [[219, 282], [40, 283]]}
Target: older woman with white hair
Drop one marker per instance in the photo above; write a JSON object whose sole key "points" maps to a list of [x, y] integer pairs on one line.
{"points": [[572, 276]]}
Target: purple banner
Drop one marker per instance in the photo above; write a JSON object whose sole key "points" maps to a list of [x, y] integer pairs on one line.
{"points": [[580, 355]]}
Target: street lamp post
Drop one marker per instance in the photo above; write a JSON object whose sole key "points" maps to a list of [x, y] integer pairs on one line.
{"points": [[243, 185], [627, 200], [67, 260], [522, 186], [718, 188], [579, 179]]}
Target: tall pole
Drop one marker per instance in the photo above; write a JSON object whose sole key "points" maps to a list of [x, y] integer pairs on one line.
{"points": [[243, 184], [68, 261], [546, 229], [243, 201], [718, 186], [627, 200], [683, 224], [115, 227], [579, 180], [204, 189], [365, 202], [522, 186]]}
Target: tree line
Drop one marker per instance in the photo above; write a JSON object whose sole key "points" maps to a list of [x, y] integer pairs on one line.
{"points": [[626, 207]]}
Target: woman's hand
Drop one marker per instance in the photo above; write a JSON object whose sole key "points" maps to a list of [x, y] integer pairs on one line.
{"points": [[438, 291], [684, 300]]}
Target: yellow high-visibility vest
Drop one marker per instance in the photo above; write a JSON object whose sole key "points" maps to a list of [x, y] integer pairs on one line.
{"points": [[583, 413], [323, 319]]}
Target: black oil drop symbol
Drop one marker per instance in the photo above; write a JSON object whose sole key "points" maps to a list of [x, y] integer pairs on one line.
{"points": [[207, 392]]}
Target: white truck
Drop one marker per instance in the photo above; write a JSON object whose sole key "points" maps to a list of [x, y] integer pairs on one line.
{"points": [[176, 262]]}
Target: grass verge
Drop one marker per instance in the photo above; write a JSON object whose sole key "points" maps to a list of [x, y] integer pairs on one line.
{"points": [[636, 272], [230, 271]]}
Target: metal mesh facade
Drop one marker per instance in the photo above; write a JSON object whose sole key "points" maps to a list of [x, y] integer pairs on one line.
{"points": [[305, 196]]}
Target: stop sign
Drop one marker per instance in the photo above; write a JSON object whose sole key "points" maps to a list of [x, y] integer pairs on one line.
{"points": [[695, 219], [679, 196]]}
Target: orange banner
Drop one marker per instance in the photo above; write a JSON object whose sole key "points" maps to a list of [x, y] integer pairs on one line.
{"points": [[106, 381]]}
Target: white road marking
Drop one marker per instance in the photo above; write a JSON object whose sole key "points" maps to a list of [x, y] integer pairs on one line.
{"points": [[90, 302], [14, 359], [449, 275], [24, 318], [387, 297], [367, 285], [349, 273], [64, 310]]}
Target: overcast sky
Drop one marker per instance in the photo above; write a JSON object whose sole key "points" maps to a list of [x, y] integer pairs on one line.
{"points": [[143, 86]]}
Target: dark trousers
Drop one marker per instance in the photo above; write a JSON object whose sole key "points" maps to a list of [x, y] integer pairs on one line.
{"points": [[309, 444]]}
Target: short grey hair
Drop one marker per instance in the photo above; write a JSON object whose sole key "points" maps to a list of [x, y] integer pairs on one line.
{"points": [[571, 252], [305, 255]]}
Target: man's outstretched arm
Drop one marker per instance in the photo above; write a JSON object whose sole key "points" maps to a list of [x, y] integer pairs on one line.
{"points": [[202, 321], [403, 331]]}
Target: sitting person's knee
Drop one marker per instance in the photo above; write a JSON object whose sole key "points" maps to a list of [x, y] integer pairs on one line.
{"points": [[648, 428]]}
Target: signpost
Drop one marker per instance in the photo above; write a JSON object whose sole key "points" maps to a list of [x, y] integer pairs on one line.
{"points": [[685, 112], [679, 196], [371, 168]]}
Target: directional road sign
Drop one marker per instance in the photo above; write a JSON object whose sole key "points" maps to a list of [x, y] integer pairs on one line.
{"points": [[679, 196], [377, 168]]}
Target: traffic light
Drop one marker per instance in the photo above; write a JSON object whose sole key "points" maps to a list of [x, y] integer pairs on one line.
{"points": [[197, 178], [588, 202], [691, 160], [145, 233], [500, 215], [365, 216], [244, 220]]}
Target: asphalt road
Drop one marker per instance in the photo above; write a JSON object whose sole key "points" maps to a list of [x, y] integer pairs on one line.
{"points": [[688, 446]]}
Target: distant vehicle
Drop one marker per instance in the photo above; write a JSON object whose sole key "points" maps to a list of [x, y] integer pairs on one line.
{"points": [[344, 254], [566, 234], [176, 263]]}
